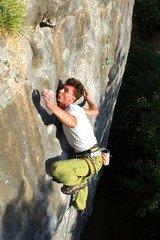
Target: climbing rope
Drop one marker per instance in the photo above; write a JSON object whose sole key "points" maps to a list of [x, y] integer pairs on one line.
{"points": [[69, 216]]}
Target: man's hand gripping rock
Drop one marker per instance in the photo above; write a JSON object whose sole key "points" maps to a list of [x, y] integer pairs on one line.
{"points": [[48, 96]]}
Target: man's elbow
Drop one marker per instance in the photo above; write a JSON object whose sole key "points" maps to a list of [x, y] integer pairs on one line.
{"points": [[73, 124], [96, 112]]}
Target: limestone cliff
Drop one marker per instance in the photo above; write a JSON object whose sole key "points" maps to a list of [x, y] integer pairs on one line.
{"points": [[66, 39]]}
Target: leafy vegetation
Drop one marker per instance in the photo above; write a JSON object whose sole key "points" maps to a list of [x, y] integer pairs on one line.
{"points": [[135, 132], [147, 14], [12, 16]]}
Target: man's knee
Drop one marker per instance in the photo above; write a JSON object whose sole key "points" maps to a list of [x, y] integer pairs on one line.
{"points": [[54, 169]]}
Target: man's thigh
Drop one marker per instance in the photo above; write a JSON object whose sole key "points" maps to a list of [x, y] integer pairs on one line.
{"points": [[75, 166]]}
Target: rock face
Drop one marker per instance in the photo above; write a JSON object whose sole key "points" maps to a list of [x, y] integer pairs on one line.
{"points": [[67, 39]]}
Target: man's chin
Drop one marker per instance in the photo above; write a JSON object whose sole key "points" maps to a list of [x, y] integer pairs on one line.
{"points": [[58, 101]]}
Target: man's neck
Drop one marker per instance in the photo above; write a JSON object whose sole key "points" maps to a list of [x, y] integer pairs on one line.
{"points": [[63, 106]]}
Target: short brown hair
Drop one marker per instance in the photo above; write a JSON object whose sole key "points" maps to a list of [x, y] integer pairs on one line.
{"points": [[79, 88]]}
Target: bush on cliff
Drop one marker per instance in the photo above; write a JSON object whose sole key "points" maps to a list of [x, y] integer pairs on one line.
{"points": [[12, 16]]}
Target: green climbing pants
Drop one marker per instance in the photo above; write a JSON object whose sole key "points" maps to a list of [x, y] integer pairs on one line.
{"points": [[75, 172]]}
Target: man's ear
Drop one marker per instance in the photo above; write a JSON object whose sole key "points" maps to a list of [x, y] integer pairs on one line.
{"points": [[73, 98]]}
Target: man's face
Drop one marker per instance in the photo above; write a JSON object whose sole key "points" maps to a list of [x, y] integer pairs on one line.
{"points": [[66, 96]]}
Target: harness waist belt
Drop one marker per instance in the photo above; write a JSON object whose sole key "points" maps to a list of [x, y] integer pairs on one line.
{"points": [[86, 153], [87, 156]]}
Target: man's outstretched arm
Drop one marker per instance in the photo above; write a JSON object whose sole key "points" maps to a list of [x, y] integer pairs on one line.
{"points": [[92, 110]]}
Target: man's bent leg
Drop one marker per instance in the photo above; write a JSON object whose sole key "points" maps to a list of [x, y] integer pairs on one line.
{"points": [[81, 198], [70, 172], [74, 172]]}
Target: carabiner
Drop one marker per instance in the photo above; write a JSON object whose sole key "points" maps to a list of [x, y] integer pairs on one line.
{"points": [[107, 61]]}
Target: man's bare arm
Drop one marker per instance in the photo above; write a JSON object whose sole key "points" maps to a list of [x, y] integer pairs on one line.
{"points": [[92, 110], [65, 117]]}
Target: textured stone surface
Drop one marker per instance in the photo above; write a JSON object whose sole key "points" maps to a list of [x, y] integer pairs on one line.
{"points": [[67, 39]]}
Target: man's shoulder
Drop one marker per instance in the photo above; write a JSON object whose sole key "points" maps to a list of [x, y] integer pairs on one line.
{"points": [[74, 108]]}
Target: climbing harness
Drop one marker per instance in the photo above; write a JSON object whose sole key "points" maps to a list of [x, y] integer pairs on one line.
{"points": [[87, 152], [70, 204], [91, 168], [96, 170], [87, 156]]}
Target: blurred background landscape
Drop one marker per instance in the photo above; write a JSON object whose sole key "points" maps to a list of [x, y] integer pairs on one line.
{"points": [[127, 202]]}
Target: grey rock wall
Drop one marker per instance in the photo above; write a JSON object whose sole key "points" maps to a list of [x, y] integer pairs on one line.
{"points": [[66, 39]]}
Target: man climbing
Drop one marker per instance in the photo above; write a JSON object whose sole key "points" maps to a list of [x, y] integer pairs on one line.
{"points": [[74, 173]]}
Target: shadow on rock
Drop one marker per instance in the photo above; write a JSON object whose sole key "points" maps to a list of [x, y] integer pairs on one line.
{"points": [[29, 220], [51, 118], [108, 101]]}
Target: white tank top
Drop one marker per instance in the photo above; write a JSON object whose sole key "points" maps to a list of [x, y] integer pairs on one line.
{"points": [[81, 138]]}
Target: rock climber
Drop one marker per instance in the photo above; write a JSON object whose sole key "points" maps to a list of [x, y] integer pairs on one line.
{"points": [[74, 173]]}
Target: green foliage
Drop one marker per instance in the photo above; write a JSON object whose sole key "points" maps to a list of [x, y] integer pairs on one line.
{"points": [[147, 12], [135, 132], [12, 16], [147, 185]]}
